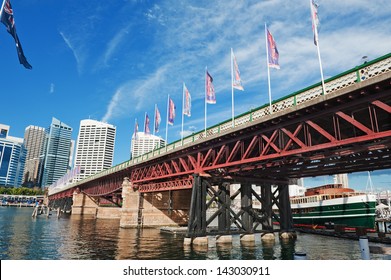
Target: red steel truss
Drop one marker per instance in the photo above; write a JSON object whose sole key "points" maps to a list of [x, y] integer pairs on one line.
{"points": [[344, 133]]}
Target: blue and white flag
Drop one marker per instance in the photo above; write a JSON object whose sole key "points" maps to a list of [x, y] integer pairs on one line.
{"points": [[7, 18]]}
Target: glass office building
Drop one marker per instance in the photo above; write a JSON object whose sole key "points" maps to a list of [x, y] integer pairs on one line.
{"points": [[56, 152]]}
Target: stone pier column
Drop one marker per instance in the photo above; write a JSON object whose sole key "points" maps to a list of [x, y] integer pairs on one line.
{"points": [[130, 205], [82, 204]]}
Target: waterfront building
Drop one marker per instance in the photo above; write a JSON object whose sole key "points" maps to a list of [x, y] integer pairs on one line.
{"points": [[34, 139], [94, 148], [12, 158], [144, 143], [56, 152]]}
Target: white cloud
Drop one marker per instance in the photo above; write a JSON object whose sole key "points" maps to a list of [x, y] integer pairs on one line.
{"points": [[77, 54], [113, 45], [51, 89], [198, 34], [134, 96]]}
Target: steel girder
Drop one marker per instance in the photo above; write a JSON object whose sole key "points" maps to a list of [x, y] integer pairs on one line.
{"points": [[344, 134]]}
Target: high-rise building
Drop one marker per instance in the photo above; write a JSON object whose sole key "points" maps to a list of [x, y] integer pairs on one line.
{"points": [[56, 152], [342, 179], [94, 148], [144, 143], [34, 139], [12, 158], [71, 155]]}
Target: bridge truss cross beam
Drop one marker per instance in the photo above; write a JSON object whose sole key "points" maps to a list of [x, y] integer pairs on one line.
{"points": [[211, 202]]}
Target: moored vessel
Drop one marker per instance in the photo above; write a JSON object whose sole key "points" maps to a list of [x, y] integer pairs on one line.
{"points": [[332, 204]]}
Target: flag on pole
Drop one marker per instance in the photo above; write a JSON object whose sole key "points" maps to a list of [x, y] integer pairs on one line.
{"points": [[158, 119], [236, 81], [187, 103], [7, 18], [147, 130], [135, 129], [315, 21], [210, 91], [171, 112], [272, 51]]}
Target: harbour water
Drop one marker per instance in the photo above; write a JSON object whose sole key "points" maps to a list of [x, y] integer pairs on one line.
{"points": [[73, 237]]}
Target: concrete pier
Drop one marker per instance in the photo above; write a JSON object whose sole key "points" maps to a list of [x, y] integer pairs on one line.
{"points": [[83, 205], [130, 205], [155, 209]]}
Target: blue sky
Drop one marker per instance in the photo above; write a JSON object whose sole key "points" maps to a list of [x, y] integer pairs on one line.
{"points": [[114, 60]]}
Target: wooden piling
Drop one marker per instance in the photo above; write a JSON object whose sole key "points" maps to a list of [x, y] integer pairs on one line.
{"points": [[35, 212]]}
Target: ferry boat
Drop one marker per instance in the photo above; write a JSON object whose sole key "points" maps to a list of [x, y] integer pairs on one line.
{"points": [[332, 204]]}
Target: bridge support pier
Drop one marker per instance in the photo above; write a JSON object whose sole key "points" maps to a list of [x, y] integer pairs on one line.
{"points": [[82, 205], [154, 209], [242, 217], [286, 220], [130, 206]]}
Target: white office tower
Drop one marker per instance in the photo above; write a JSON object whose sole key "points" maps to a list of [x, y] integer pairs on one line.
{"points": [[342, 179], [296, 187], [145, 143], [94, 148]]}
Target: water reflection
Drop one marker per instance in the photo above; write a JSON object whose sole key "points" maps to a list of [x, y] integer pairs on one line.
{"points": [[287, 249], [76, 237], [268, 249]]}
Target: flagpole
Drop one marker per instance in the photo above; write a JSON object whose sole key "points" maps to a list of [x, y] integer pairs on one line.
{"points": [[183, 111], [154, 121], [168, 109], [320, 66], [2, 7], [232, 88], [315, 27], [206, 70], [135, 137], [268, 71]]}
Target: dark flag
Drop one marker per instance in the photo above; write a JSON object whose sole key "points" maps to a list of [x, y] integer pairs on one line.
{"points": [[171, 112], [273, 54], [7, 18]]}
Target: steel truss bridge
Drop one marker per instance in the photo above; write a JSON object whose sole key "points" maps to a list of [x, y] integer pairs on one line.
{"points": [[308, 133]]}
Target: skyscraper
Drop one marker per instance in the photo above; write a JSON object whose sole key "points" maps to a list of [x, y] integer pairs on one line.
{"points": [[56, 152], [94, 148], [34, 139], [12, 158], [145, 143]]}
